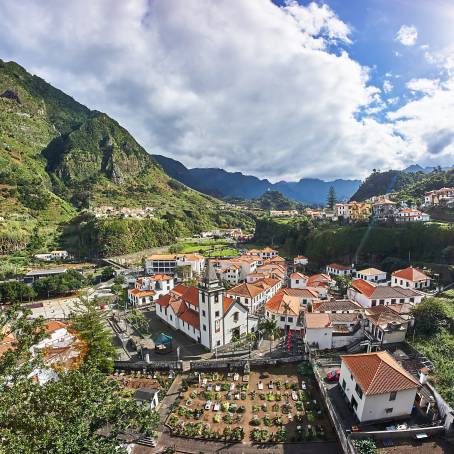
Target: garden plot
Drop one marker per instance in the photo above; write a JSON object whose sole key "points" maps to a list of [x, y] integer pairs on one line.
{"points": [[273, 406]]}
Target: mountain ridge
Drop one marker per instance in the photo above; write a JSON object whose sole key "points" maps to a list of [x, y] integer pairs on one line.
{"points": [[222, 183]]}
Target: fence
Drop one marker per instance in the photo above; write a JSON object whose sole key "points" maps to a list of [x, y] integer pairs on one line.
{"points": [[444, 408], [142, 365], [397, 434]]}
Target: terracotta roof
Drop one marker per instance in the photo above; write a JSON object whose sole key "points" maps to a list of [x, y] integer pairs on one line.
{"points": [[191, 296], [178, 306], [379, 373], [137, 292], [180, 289], [282, 303], [228, 303], [364, 287], [267, 282], [164, 300], [402, 309], [161, 277], [301, 292], [298, 276], [314, 321], [268, 249], [53, 325], [337, 266], [319, 278], [246, 290], [300, 257], [383, 316], [337, 305], [411, 274], [382, 291], [343, 318], [371, 272], [191, 317]]}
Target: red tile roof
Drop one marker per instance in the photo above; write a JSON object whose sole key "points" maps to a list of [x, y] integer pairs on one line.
{"points": [[379, 373], [298, 276], [316, 321], [54, 325], [164, 300], [281, 303], [191, 317], [411, 274], [228, 303], [246, 290], [319, 278], [364, 287], [337, 266], [137, 292]]}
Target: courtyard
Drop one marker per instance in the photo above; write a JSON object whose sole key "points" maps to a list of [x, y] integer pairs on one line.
{"points": [[275, 405]]}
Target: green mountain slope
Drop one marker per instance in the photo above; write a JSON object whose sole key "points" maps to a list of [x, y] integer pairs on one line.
{"points": [[405, 185], [57, 157]]}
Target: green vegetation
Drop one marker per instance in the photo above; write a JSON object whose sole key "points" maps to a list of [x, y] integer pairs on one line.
{"points": [[367, 446], [60, 284], [58, 157], [82, 411], [331, 202], [15, 292], [431, 242], [218, 248], [434, 337], [406, 186]]}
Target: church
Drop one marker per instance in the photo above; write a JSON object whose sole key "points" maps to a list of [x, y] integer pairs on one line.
{"points": [[205, 313]]}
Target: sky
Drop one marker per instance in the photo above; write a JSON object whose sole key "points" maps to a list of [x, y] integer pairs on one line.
{"points": [[277, 89]]}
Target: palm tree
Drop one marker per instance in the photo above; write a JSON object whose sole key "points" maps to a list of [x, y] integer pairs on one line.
{"points": [[270, 328]]}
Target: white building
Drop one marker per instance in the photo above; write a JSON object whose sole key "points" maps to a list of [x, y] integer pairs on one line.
{"points": [[148, 289], [265, 253], [322, 283], [385, 325], [443, 195], [377, 387], [254, 296], [411, 278], [336, 269], [205, 313], [231, 274], [300, 260], [372, 275], [247, 264], [411, 215], [298, 280], [369, 295], [305, 295], [285, 310], [148, 397], [166, 263]]}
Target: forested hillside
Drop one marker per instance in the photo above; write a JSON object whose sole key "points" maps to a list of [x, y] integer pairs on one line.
{"points": [[57, 157], [407, 186]]}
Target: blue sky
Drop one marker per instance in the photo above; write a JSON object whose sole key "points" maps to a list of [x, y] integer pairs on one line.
{"points": [[277, 89]]}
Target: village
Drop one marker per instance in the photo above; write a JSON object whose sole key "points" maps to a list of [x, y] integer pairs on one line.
{"points": [[259, 350]]}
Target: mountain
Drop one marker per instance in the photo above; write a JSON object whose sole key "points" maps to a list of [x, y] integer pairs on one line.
{"points": [[57, 156], [417, 168], [220, 183], [405, 185]]}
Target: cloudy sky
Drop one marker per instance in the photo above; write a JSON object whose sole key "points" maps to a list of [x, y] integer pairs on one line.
{"points": [[278, 89]]}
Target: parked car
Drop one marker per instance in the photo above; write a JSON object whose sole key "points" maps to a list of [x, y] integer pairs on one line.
{"points": [[333, 375]]}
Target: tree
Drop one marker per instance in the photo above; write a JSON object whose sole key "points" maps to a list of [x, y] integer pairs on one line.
{"points": [[366, 446], [331, 198], [137, 320], [107, 273], [61, 284], [16, 292], [343, 283], [271, 329], [90, 322], [82, 411], [431, 315]]}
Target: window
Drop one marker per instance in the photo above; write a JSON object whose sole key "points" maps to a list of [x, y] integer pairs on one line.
{"points": [[171, 318], [282, 319], [412, 300], [374, 302], [273, 317], [297, 281], [218, 343], [393, 300], [382, 302], [290, 319], [402, 301], [354, 403], [203, 297], [236, 316], [203, 313], [216, 298], [393, 395], [344, 384], [359, 391], [204, 327], [216, 314], [388, 410], [351, 377]]}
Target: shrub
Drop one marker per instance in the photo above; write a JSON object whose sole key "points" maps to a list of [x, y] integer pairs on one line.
{"points": [[365, 446]]}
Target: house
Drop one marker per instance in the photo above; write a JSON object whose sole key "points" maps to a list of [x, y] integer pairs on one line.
{"points": [[385, 325], [337, 307], [377, 387], [265, 253], [274, 270], [369, 295], [372, 275], [298, 280], [410, 278], [247, 264], [231, 274], [147, 289], [300, 260], [255, 295], [283, 213], [318, 330], [335, 269], [322, 283], [34, 275], [439, 196], [148, 397], [411, 215], [305, 295], [205, 313], [53, 255], [167, 263], [384, 209], [353, 211], [285, 310]]}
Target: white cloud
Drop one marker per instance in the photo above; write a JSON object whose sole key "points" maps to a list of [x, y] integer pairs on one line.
{"points": [[426, 86], [387, 86], [407, 35], [243, 85]]}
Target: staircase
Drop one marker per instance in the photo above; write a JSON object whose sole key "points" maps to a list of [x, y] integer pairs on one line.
{"points": [[146, 441]]}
